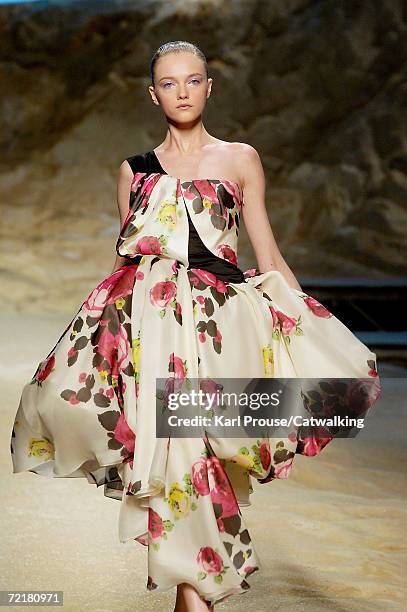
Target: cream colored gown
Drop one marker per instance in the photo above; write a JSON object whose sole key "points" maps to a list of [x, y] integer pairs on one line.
{"points": [[89, 410]]}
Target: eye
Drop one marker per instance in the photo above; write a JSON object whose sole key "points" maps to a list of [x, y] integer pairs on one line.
{"points": [[195, 81], [165, 84]]}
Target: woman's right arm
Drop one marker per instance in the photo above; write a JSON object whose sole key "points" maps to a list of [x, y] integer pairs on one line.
{"points": [[124, 180]]}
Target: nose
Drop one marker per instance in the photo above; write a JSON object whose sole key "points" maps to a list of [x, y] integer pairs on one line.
{"points": [[182, 92]]}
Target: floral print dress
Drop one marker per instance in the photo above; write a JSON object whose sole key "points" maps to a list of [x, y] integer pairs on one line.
{"points": [[89, 409]]}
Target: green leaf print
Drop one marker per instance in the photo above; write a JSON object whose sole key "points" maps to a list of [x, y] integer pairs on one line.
{"points": [[168, 525]]}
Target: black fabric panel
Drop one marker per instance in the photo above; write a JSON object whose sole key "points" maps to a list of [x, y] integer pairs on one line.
{"points": [[145, 162]]}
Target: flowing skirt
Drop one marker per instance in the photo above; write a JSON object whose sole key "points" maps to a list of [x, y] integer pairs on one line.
{"points": [[90, 408]]}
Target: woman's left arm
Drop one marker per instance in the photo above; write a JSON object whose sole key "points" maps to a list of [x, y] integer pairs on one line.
{"points": [[256, 219]]}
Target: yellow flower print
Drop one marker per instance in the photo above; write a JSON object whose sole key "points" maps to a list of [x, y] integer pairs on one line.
{"points": [[119, 303], [103, 375], [179, 500], [167, 214], [244, 460], [115, 381], [41, 448], [142, 260], [206, 202], [268, 360], [136, 352]]}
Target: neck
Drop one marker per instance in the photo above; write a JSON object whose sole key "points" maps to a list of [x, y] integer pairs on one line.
{"points": [[186, 141]]}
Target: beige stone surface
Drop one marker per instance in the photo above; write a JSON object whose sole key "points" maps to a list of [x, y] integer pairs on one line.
{"points": [[331, 537], [318, 88]]}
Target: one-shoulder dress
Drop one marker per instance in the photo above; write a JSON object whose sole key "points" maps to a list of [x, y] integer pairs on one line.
{"points": [[179, 309]]}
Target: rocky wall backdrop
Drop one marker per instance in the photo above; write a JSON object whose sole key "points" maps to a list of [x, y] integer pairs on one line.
{"points": [[319, 87]]}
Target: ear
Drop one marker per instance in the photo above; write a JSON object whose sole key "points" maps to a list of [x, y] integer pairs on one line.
{"points": [[210, 81], [153, 96]]}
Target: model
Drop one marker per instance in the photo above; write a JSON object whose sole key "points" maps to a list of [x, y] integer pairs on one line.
{"points": [[177, 307]]}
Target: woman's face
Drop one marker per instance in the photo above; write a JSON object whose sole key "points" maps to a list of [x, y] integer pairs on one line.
{"points": [[180, 78]]}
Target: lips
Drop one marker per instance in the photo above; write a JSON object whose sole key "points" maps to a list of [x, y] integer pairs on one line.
{"points": [[184, 106]]}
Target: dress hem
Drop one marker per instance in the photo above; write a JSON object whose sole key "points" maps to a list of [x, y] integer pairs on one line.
{"points": [[214, 597]]}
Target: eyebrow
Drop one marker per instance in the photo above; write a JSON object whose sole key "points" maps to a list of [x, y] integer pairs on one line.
{"points": [[189, 75]]}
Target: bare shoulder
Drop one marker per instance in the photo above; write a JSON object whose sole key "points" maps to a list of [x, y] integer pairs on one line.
{"points": [[249, 163], [125, 171]]}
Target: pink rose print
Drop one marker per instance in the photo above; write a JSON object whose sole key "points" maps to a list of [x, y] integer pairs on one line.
{"points": [[162, 293], [312, 446], [73, 398], [235, 191], [107, 292], [317, 309], [124, 434], [250, 272], [273, 316], [210, 388], [210, 561], [148, 245], [210, 279], [287, 323], [172, 385], [149, 184], [97, 299], [155, 524], [228, 253], [283, 471], [177, 366], [204, 188], [46, 368], [114, 348], [199, 477], [143, 539], [221, 489], [265, 456]]}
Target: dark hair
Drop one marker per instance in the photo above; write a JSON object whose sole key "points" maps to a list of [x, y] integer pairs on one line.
{"points": [[176, 46]]}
